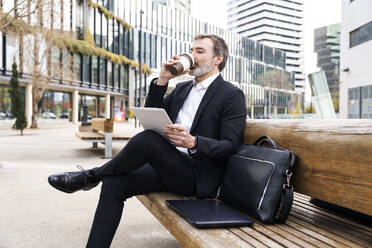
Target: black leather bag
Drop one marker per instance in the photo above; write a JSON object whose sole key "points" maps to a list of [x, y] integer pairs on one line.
{"points": [[257, 181]]}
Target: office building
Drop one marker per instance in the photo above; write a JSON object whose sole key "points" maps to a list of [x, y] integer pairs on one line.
{"points": [[181, 5], [355, 59], [156, 34], [276, 23], [327, 48]]}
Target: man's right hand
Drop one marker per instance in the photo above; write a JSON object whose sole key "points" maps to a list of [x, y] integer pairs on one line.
{"points": [[165, 75]]}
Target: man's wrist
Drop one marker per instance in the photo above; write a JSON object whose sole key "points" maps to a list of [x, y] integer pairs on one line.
{"points": [[194, 149]]}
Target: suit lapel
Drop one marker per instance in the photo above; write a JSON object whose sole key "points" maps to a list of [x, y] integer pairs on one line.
{"points": [[181, 99], [212, 89]]}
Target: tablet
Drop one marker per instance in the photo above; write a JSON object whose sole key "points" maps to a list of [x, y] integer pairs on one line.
{"points": [[208, 213], [152, 118]]}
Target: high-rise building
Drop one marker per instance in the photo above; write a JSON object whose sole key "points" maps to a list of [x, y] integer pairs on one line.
{"points": [[276, 23], [103, 69], [181, 5], [355, 59], [327, 47]]}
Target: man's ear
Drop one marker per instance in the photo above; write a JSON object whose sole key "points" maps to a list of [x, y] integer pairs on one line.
{"points": [[219, 59]]}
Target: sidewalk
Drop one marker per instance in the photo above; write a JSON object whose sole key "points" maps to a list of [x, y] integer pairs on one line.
{"points": [[33, 214]]}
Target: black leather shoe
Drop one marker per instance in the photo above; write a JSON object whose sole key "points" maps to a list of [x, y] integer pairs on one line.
{"points": [[70, 182]]}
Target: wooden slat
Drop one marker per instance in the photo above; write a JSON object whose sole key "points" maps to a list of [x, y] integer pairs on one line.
{"points": [[262, 238], [314, 235], [103, 125], [299, 232], [350, 223], [290, 235], [323, 224], [331, 238], [335, 163], [90, 136], [187, 235], [101, 136], [274, 236], [251, 240]]}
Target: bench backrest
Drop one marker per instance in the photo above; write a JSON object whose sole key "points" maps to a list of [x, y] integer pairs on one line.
{"points": [[335, 157], [103, 125]]}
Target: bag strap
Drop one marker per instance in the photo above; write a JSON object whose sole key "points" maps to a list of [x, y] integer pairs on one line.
{"points": [[286, 197], [286, 200], [265, 139]]}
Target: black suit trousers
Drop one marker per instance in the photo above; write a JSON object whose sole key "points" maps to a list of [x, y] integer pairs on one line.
{"points": [[148, 163]]}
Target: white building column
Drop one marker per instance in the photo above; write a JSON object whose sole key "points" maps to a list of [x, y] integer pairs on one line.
{"points": [[75, 107], [28, 104], [107, 106], [252, 111], [132, 80], [275, 113]]}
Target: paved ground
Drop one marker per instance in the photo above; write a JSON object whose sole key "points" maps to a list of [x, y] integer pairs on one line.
{"points": [[33, 214]]}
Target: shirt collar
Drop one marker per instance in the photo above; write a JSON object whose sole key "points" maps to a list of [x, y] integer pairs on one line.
{"points": [[205, 84]]}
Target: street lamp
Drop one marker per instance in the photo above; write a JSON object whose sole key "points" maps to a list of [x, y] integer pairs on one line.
{"points": [[140, 60]]}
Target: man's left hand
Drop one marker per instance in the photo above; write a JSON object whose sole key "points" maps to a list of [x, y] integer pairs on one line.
{"points": [[180, 136]]}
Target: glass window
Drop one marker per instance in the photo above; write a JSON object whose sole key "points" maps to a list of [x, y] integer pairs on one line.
{"points": [[101, 106], [104, 32], [116, 37], [55, 63], [58, 103], [122, 77], [97, 28], [115, 69], [110, 36], [126, 78], [77, 66], [361, 35], [102, 74], [95, 69], [148, 48], [122, 41], [86, 69], [153, 51], [109, 74]]}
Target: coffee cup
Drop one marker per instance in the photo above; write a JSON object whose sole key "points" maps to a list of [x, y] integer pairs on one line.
{"points": [[185, 62]]}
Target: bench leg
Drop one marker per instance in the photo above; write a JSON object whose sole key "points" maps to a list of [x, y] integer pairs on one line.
{"points": [[108, 145], [95, 144]]}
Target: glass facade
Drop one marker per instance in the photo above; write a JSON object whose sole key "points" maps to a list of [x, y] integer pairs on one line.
{"points": [[5, 101], [327, 47], [360, 102], [256, 68], [57, 103]]}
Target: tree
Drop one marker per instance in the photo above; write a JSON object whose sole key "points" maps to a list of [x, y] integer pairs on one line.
{"points": [[17, 107], [20, 10]]}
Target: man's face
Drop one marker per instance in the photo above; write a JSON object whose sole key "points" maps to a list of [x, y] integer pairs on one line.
{"points": [[202, 51]]}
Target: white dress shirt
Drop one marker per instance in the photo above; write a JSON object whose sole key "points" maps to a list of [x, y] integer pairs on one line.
{"points": [[187, 112]]}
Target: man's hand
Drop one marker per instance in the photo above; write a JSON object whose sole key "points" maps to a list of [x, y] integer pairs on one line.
{"points": [[165, 75], [179, 136]]}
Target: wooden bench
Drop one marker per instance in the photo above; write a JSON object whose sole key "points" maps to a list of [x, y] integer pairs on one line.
{"points": [[101, 131], [335, 166]]}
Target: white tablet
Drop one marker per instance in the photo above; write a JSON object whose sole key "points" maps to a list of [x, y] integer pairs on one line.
{"points": [[152, 118]]}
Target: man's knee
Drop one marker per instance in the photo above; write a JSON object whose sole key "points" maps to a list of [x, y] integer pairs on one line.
{"points": [[148, 134], [146, 139], [114, 186]]}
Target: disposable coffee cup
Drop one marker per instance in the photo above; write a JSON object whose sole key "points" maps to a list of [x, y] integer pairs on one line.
{"points": [[185, 62]]}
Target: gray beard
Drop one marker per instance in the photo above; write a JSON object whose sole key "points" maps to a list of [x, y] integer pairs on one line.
{"points": [[201, 70]]}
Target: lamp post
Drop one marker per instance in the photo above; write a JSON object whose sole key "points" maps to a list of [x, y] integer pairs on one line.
{"points": [[140, 60]]}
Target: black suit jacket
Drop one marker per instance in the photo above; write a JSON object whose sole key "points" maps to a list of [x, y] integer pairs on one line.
{"points": [[218, 124]]}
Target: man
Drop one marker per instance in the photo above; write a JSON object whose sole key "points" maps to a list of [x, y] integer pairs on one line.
{"points": [[209, 115]]}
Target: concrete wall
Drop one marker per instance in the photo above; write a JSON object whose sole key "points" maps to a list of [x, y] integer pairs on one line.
{"points": [[358, 58]]}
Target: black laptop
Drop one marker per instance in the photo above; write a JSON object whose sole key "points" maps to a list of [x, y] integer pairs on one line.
{"points": [[208, 213]]}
